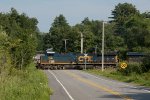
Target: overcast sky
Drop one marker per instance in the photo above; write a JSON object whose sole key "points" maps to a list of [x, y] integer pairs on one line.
{"points": [[74, 10]]}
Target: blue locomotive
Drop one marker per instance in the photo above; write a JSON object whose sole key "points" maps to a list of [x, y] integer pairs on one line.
{"points": [[53, 60]]}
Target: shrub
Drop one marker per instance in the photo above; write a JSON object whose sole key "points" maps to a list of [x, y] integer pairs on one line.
{"points": [[146, 64]]}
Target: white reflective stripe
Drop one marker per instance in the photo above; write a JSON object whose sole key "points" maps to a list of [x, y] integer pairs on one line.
{"points": [[71, 98], [118, 83]]}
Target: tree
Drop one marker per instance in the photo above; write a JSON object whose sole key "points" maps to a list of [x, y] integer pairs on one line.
{"points": [[40, 41], [121, 13], [47, 41], [137, 29], [86, 28], [5, 62], [146, 14], [113, 42], [60, 30], [22, 34], [73, 42]]}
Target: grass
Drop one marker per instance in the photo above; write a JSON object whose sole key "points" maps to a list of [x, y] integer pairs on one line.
{"points": [[138, 79], [27, 84]]}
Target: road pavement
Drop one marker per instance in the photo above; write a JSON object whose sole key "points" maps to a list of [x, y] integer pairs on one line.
{"points": [[79, 85]]}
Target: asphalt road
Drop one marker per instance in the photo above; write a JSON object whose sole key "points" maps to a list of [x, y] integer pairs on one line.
{"points": [[79, 85]]}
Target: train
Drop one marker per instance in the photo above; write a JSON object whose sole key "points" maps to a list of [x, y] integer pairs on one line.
{"points": [[54, 60], [132, 57]]}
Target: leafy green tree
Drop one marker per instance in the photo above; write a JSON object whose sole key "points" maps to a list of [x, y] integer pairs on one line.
{"points": [[146, 14], [137, 33], [22, 35], [121, 13], [89, 38], [47, 41], [40, 41], [146, 63], [73, 42], [5, 62], [60, 30]]}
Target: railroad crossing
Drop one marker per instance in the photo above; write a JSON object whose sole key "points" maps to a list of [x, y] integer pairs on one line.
{"points": [[79, 85]]}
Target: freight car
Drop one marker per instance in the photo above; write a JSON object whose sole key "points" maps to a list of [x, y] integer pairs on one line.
{"points": [[52, 60], [135, 57]]}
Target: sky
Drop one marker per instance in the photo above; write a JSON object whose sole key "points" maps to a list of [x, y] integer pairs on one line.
{"points": [[73, 10]]}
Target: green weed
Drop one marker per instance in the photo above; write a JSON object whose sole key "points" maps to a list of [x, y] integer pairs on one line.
{"points": [[27, 84]]}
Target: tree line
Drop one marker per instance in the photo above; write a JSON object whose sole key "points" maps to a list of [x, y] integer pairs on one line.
{"points": [[127, 30], [18, 38]]}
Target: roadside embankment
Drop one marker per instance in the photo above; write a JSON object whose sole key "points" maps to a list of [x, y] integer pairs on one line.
{"points": [[26, 84], [138, 79]]}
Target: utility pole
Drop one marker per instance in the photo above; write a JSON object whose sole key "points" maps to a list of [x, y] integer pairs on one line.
{"points": [[85, 57], [81, 42], [65, 44], [103, 47]]}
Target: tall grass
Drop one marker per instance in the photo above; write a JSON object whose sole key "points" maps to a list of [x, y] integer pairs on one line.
{"points": [[26, 84], [138, 79]]}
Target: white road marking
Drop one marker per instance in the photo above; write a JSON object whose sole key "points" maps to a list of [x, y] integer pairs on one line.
{"points": [[146, 90], [71, 98], [117, 83]]}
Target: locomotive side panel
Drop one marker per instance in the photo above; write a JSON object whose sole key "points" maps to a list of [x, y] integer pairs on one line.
{"points": [[57, 61]]}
